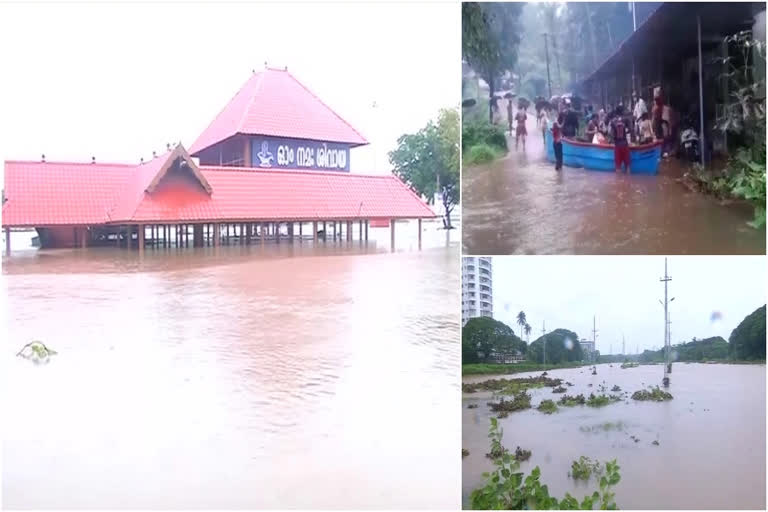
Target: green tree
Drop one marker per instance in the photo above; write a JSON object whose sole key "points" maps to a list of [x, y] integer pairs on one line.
{"points": [[527, 330], [747, 341], [521, 322], [428, 161], [483, 337], [491, 35], [562, 346]]}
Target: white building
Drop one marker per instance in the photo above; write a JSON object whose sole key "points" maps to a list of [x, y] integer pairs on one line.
{"points": [[476, 288]]}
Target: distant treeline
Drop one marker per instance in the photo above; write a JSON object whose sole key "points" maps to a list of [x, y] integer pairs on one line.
{"points": [[485, 340], [746, 343]]}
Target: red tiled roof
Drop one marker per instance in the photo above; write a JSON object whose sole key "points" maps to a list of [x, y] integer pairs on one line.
{"points": [[46, 194], [273, 103]]}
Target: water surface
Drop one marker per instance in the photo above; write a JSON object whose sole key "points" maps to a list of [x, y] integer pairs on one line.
{"points": [[242, 377], [711, 452]]}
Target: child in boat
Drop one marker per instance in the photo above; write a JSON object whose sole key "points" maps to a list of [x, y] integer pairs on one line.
{"points": [[599, 138], [645, 129], [619, 131], [591, 130], [521, 117], [557, 135]]}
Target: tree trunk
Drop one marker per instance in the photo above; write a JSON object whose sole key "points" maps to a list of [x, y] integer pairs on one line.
{"points": [[490, 98], [447, 219], [591, 36]]}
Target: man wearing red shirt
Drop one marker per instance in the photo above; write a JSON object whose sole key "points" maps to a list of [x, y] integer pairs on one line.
{"points": [[619, 131]]}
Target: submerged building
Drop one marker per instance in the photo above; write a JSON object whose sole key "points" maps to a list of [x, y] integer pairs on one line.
{"points": [[476, 288], [274, 164]]}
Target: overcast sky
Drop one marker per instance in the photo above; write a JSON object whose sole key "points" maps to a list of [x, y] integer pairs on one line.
{"points": [[623, 292], [117, 81]]}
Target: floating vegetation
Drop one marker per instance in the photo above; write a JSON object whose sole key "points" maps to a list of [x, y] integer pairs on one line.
{"points": [[520, 401], [568, 384], [570, 401], [615, 388], [510, 386], [472, 406], [629, 365], [36, 352], [655, 394], [583, 468], [559, 389], [522, 455], [497, 452], [601, 400], [589, 385], [464, 452], [547, 406], [656, 443], [594, 371], [604, 427]]}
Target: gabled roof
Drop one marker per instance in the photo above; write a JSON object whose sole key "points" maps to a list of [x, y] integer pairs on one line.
{"points": [[273, 103], [50, 193]]}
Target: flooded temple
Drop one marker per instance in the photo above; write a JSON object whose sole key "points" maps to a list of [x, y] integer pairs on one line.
{"points": [[274, 165]]}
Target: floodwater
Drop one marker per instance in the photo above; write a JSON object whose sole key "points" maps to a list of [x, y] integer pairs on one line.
{"points": [[711, 452], [248, 377], [520, 205]]}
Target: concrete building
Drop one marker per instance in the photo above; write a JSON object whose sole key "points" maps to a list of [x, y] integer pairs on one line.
{"points": [[476, 288]]}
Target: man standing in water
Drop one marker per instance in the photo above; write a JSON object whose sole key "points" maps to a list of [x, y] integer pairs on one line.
{"points": [[557, 135], [620, 144], [521, 117], [510, 118]]}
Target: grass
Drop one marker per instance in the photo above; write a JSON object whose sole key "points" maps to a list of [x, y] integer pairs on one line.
{"points": [[482, 154], [656, 395], [570, 401], [629, 365], [499, 369], [547, 406], [605, 427]]}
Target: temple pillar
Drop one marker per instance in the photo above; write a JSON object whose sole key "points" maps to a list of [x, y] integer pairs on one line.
{"points": [[216, 234], [301, 234], [197, 233], [366, 230], [360, 226], [314, 231], [392, 234], [140, 228], [325, 233], [262, 227], [7, 241], [247, 153], [419, 234], [84, 240], [129, 238]]}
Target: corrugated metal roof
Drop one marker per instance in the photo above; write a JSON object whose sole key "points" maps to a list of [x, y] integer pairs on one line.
{"points": [[273, 103], [61, 193]]}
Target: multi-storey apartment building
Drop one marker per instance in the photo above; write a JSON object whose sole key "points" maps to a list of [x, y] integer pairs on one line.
{"points": [[476, 288]]}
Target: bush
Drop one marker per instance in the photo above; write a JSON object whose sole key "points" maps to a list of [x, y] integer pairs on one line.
{"points": [[476, 133], [481, 154], [547, 406]]}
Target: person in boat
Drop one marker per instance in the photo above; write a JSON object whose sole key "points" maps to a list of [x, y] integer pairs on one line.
{"points": [[521, 117], [602, 124], [571, 122], [657, 112], [510, 116], [591, 129], [645, 130], [557, 135], [600, 138], [620, 133]]}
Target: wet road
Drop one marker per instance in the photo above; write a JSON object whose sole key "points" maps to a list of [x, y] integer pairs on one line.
{"points": [[282, 377], [711, 452], [520, 205]]}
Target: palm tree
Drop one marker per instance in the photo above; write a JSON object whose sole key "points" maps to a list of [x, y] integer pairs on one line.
{"points": [[521, 322], [527, 330]]}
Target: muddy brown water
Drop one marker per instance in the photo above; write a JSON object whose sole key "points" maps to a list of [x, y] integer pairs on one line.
{"points": [[248, 378], [520, 205], [711, 452]]}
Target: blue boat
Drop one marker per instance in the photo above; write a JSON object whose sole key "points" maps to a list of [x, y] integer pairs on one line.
{"points": [[599, 157]]}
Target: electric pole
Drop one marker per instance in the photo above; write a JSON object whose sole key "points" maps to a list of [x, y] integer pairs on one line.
{"points": [[667, 364], [544, 341], [623, 346], [546, 49]]}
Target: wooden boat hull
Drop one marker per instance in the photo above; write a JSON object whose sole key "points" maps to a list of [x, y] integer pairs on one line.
{"points": [[644, 159]]}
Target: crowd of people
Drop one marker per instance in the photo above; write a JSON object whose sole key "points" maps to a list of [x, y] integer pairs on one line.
{"points": [[615, 126]]}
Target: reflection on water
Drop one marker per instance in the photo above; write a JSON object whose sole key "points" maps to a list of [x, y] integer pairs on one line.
{"points": [[711, 452], [275, 377], [520, 205]]}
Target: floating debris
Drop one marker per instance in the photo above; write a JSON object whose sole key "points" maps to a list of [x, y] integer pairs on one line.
{"points": [[656, 394], [656, 443], [568, 384], [496, 452], [615, 388], [472, 406], [601, 400], [520, 401], [464, 452], [626, 365], [36, 352], [522, 455], [570, 401], [559, 389], [510, 386], [547, 406]]}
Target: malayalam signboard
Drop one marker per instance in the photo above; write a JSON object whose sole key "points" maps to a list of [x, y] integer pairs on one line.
{"points": [[280, 153]]}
